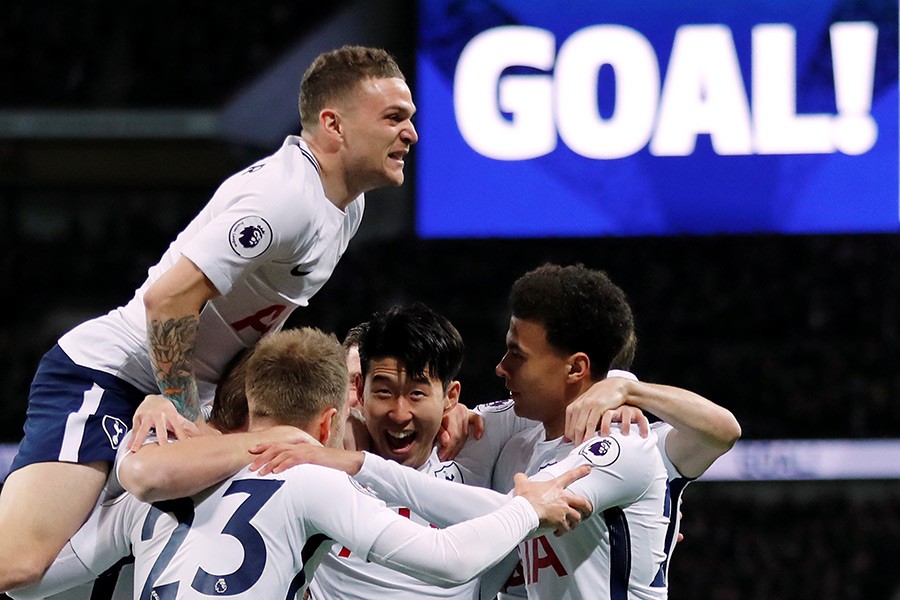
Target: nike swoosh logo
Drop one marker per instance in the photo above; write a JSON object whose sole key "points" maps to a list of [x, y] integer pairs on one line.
{"points": [[296, 272]]}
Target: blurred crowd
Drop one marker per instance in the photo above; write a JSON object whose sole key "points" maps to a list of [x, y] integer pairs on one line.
{"points": [[168, 54], [760, 544]]}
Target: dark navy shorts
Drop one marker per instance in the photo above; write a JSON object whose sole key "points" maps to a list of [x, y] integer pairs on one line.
{"points": [[75, 414]]}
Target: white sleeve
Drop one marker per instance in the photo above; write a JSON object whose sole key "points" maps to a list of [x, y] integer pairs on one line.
{"points": [[105, 538], [439, 501], [66, 572], [453, 556], [493, 580], [662, 430], [280, 221], [477, 458], [622, 469]]}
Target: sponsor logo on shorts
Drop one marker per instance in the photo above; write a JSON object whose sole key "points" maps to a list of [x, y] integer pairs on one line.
{"points": [[602, 452], [251, 236]]}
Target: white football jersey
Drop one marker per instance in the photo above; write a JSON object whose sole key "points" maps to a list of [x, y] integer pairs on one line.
{"points": [[248, 537], [268, 240], [343, 575], [618, 550], [263, 537], [676, 482], [478, 457], [347, 575]]}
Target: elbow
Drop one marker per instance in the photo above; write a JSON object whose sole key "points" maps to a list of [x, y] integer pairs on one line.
{"points": [[731, 433], [145, 483], [152, 300]]}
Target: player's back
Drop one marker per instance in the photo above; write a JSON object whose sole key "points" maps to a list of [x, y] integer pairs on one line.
{"points": [[250, 536]]}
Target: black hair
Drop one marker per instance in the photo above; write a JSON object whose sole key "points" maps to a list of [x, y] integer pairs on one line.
{"points": [[580, 309], [418, 337]]}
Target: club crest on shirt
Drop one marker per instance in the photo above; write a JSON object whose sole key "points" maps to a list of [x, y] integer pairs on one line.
{"points": [[115, 430], [251, 236], [601, 452], [362, 488], [495, 407], [450, 472]]}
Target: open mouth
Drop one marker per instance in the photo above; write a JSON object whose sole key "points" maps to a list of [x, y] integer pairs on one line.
{"points": [[400, 442], [398, 156]]}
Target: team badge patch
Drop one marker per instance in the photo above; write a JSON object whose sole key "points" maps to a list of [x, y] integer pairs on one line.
{"points": [[602, 452], [115, 430], [495, 407], [362, 488], [251, 236], [450, 472]]}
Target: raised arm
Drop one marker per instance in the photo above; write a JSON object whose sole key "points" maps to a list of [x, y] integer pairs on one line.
{"points": [[702, 431]]}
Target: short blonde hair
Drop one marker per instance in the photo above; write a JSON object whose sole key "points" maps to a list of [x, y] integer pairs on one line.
{"points": [[295, 374]]}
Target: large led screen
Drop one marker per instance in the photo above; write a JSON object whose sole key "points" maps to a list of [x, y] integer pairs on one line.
{"points": [[636, 117]]}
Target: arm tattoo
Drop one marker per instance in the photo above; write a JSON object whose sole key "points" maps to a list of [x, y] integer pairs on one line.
{"points": [[172, 344]]}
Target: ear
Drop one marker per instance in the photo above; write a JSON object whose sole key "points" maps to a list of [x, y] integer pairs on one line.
{"points": [[330, 124], [326, 424], [451, 398], [359, 383], [579, 368]]}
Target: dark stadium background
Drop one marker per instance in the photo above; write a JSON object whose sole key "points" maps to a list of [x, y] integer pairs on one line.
{"points": [[799, 336]]}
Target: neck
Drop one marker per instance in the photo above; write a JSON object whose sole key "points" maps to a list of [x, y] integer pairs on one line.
{"points": [[331, 172], [554, 429], [555, 424]]}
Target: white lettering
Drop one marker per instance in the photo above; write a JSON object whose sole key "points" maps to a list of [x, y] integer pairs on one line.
{"points": [[515, 116], [482, 93], [703, 93], [778, 127], [853, 58], [581, 126]]}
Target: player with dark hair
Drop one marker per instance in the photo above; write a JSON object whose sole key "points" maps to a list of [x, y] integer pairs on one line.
{"points": [[265, 243], [622, 548], [410, 357]]}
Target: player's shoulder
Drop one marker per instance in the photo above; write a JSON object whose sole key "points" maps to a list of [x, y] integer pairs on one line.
{"points": [[290, 174]]}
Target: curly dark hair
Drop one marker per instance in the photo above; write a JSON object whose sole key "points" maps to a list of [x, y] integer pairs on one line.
{"points": [[581, 310]]}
